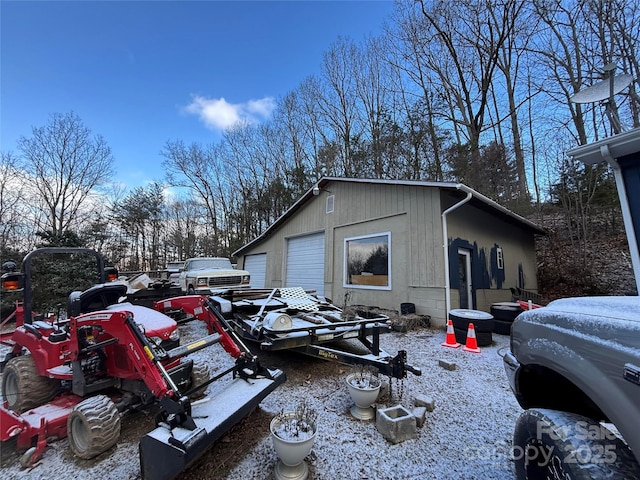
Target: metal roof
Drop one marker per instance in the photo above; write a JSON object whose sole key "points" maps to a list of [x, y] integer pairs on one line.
{"points": [[477, 199], [616, 146]]}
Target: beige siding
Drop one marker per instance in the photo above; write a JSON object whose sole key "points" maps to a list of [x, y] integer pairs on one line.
{"points": [[484, 231], [412, 213]]}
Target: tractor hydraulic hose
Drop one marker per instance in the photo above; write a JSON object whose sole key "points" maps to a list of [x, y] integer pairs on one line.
{"points": [[192, 347]]}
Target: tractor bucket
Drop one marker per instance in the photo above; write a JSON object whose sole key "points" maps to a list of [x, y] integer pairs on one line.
{"points": [[166, 452]]}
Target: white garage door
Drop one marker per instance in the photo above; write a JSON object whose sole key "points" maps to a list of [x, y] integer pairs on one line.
{"points": [[305, 262], [256, 265]]}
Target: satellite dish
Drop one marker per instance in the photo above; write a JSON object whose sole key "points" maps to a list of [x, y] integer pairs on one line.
{"points": [[603, 90]]}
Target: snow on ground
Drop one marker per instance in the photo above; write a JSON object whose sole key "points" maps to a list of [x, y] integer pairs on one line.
{"points": [[467, 436]]}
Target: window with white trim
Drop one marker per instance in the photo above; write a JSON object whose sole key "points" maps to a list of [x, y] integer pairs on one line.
{"points": [[499, 258], [367, 261]]}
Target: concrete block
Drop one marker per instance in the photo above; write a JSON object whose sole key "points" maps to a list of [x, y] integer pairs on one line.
{"points": [[424, 401], [396, 424], [447, 364], [420, 413]]}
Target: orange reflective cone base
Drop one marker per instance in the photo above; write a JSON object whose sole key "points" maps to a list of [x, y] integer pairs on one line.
{"points": [[450, 341], [472, 344]]}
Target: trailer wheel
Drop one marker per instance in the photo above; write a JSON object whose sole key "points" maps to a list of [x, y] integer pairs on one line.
{"points": [[23, 388], [558, 445], [93, 426], [199, 375]]}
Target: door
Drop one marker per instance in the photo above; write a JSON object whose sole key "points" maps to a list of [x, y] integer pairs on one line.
{"points": [[256, 265], [464, 267], [305, 262]]}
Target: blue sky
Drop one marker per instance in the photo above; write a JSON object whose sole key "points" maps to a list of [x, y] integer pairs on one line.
{"points": [[141, 73]]}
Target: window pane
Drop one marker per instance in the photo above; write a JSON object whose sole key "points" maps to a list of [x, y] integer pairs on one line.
{"points": [[368, 261]]}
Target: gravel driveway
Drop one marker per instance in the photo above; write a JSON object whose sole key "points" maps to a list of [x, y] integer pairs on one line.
{"points": [[466, 436]]}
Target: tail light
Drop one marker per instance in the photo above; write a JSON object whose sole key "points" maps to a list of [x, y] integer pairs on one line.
{"points": [[111, 274], [12, 282]]}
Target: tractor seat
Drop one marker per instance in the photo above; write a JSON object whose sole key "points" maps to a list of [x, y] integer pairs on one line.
{"points": [[95, 298]]}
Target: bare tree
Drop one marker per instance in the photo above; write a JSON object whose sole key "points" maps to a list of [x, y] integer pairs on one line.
{"points": [[140, 215], [65, 164], [15, 222], [338, 101], [372, 76], [183, 218], [465, 39], [308, 101], [424, 120], [558, 49], [509, 64], [195, 167], [297, 150]]}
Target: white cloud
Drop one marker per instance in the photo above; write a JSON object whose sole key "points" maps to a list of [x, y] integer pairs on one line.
{"points": [[218, 114]]}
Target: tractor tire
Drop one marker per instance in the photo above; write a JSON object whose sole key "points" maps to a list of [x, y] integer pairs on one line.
{"points": [[93, 426], [555, 444], [506, 311], [199, 375], [502, 327], [461, 318], [483, 339], [23, 388]]}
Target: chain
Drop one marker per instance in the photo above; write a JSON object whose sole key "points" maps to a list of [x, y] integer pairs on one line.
{"points": [[401, 390], [399, 386]]}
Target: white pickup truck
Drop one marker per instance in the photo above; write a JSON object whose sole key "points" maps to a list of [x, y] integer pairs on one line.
{"points": [[207, 275]]}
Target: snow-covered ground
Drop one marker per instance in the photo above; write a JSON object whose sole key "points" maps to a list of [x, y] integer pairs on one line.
{"points": [[467, 436]]}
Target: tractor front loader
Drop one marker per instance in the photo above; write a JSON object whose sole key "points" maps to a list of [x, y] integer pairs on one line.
{"points": [[75, 376]]}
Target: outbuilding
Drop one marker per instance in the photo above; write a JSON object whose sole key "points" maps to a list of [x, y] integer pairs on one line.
{"points": [[385, 243]]}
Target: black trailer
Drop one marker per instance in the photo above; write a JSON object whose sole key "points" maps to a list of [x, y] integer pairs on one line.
{"points": [[297, 320]]}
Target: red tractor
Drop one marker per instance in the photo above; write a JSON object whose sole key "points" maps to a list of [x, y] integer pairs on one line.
{"points": [[77, 375]]}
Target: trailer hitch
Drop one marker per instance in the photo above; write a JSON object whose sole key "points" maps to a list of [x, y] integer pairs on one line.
{"points": [[400, 367]]}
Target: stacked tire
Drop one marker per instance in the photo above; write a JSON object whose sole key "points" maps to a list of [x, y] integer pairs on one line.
{"points": [[504, 313], [482, 323]]}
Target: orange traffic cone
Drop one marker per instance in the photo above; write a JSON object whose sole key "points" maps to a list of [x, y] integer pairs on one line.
{"points": [[451, 336], [472, 344]]}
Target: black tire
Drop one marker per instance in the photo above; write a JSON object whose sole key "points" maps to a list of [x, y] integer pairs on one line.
{"points": [[506, 311], [93, 426], [482, 321], [200, 374], [502, 327], [191, 290], [23, 388], [557, 445], [483, 339]]}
